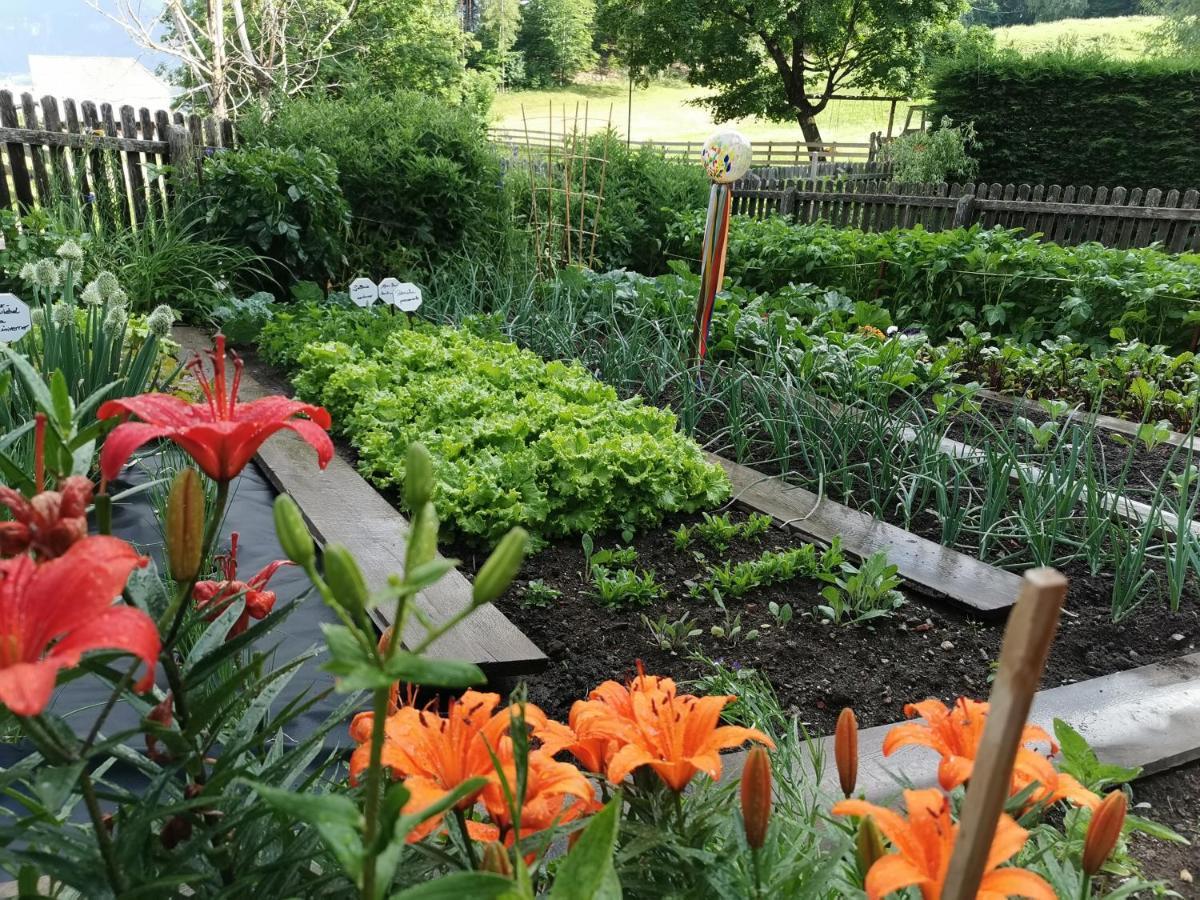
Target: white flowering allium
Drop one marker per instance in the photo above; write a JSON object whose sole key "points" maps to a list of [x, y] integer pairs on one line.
{"points": [[71, 252], [118, 299], [62, 315], [160, 321], [27, 273], [116, 318], [91, 295], [107, 283], [37, 315], [47, 274]]}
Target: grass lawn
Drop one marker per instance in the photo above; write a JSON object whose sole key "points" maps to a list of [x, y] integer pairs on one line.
{"points": [[1122, 36], [663, 111]]}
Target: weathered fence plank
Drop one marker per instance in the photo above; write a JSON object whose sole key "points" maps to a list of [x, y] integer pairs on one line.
{"points": [[111, 159]]}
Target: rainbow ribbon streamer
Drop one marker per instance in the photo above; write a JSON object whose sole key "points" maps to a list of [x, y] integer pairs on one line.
{"points": [[712, 263]]}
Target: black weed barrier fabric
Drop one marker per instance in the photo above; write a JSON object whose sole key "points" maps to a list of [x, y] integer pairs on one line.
{"points": [[249, 514]]}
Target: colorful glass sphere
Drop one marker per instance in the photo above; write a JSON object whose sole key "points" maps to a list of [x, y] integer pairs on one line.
{"points": [[727, 156]]}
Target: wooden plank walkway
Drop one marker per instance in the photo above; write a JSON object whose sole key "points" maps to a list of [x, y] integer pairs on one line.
{"points": [[1109, 423], [1147, 717], [341, 507], [960, 577]]}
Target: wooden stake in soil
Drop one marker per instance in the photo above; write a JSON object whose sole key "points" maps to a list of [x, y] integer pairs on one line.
{"points": [[1031, 628]]}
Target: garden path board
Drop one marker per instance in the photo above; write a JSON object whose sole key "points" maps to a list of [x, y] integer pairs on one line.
{"points": [[960, 577], [1147, 717], [341, 507]]}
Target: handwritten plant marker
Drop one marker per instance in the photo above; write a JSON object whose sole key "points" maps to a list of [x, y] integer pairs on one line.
{"points": [[407, 297], [363, 291], [14, 318], [387, 290]]}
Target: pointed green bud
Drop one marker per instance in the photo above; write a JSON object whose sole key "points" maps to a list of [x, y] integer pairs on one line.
{"points": [[422, 538], [344, 577], [418, 476], [293, 534], [185, 526], [501, 567]]}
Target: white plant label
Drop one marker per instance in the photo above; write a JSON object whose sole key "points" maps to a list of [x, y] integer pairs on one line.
{"points": [[407, 297], [14, 318], [387, 291], [363, 291]]}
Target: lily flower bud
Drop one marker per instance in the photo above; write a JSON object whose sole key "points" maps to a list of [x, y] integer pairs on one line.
{"points": [[496, 859], [185, 526], [868, 842], [1104, 830], [845, 750], [418, 476], [756, 796], [293, 534], [501, 567], [345, 578]]}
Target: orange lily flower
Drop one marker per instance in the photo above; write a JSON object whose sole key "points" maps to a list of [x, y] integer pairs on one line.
{"points": [[555, 792], [955, 733], [653, 725], [925, 842], [434, 754]]}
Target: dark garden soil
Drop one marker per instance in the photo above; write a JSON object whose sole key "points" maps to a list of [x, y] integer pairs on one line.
{"points": [[926, 649], [1174, 801]]}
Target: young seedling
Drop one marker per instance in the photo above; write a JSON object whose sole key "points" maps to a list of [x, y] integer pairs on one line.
{"points": [[672, 636]]}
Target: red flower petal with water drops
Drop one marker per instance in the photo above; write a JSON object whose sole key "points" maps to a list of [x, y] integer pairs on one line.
{"points": [[53, 613]]}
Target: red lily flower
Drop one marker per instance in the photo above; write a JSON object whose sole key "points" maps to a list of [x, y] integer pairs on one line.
{"points": [[48, 523], [51, 614], [220, 435], [218, 594]]}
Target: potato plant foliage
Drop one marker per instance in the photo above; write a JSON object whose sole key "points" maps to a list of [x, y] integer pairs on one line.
{"points": [[515, 440]]}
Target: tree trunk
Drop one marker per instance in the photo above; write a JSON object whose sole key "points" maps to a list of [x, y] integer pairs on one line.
{"points": [[220, 84], [808, 125]]}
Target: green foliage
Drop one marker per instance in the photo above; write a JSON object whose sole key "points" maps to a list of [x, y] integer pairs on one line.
{"points": [[617, 588], [286, 203], [241, 320], [721, 531], [865, 592], [420, 177], [671, 635], [538, 593], [517, 440], [940, 154], [772, 567], [1140, 117], [556, 40], [783, 61], [992, 278]]}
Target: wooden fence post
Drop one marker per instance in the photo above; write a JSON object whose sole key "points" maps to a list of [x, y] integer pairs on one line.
{"points": [[1031, 628], [181, 153], [964, 211]]}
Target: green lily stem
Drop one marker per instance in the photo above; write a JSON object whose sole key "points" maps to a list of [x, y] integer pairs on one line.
{"points": [[461, 818], [755, 862], [103, 838], [1085, 890], [379, 703]]}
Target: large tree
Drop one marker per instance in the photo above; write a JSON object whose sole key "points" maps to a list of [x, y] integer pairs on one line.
{"points": [[556, 38], [784, 59]]}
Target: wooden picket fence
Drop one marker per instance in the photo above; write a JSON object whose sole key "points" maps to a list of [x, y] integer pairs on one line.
{"points": [[1116, 218], [114, 158]]}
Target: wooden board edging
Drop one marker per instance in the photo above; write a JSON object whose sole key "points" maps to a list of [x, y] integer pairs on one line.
{"points": [[341, 507], [1147, 718], [963, 578]]}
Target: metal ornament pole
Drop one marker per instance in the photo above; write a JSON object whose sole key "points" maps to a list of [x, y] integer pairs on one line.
{"points": [[726, 157]]}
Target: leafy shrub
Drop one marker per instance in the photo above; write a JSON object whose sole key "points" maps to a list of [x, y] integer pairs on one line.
{"points": [[241, 320], [1066, 117], [284, 202], [941, 154], [420, 177], [994, 278], [517, 440]]}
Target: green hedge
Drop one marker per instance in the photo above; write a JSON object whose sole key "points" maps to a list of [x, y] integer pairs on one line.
{"points": [[1082, 119], [515, 440]]}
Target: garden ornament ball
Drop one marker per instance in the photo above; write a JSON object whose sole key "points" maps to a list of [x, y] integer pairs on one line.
{"points": [[727, 156]]}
